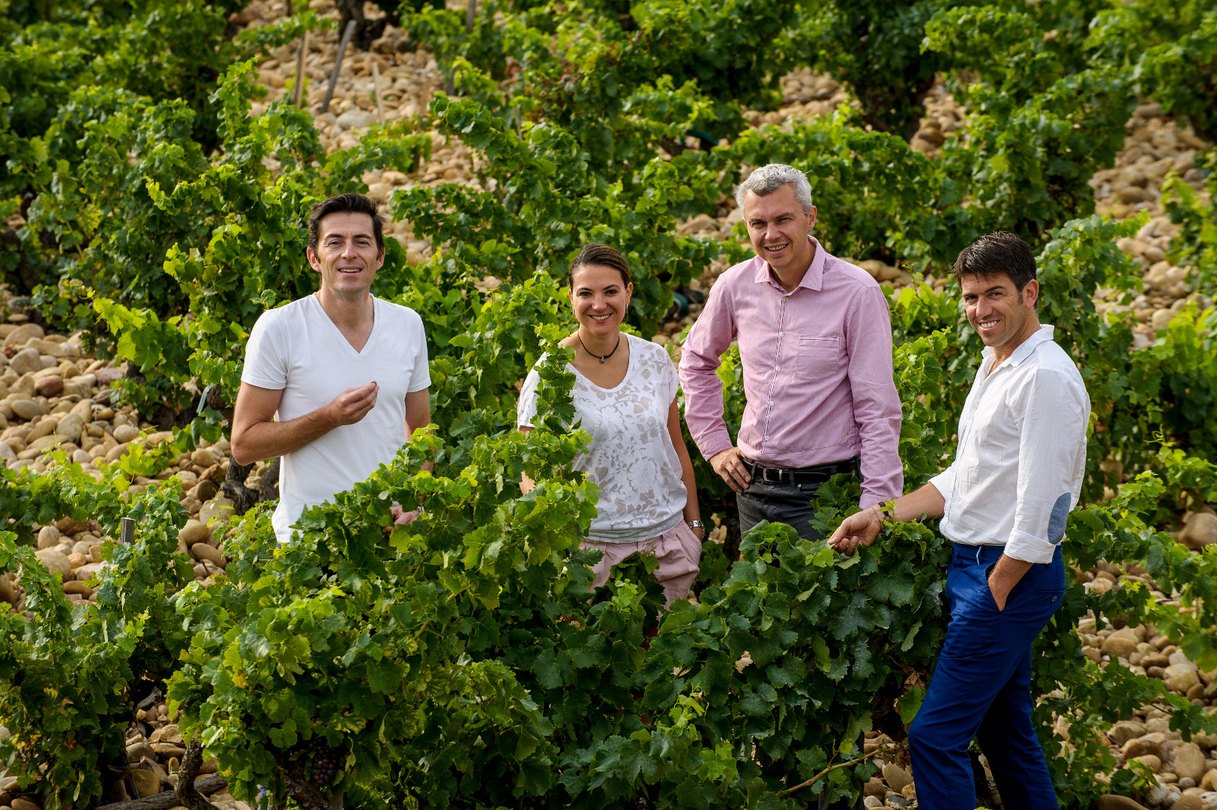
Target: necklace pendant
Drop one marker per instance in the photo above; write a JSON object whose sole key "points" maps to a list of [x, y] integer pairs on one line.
{"points": [[602, 358]]}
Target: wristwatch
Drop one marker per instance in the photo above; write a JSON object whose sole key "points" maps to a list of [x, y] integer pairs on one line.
{"points": [[697, 524]]}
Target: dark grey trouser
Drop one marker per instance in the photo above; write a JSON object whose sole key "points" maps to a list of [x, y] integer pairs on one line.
{"points": [[778, 503], [790, 504]]}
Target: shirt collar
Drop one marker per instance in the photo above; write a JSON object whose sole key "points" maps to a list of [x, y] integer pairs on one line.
{"points": [[813, 279], [1024, 350]]}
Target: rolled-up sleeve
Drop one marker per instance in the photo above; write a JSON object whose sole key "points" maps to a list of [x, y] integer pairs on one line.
{"points": [[1052, 456], [699, 361]]}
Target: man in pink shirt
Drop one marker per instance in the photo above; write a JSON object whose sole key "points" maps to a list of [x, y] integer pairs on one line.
{"points": [[815, 342]]}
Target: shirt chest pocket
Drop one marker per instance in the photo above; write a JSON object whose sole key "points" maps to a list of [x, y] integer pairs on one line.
{"points": [[817, 357]]}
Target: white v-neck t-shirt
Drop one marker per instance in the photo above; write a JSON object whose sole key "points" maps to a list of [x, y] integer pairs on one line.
{"points": [[297, 349], [631, 457]]}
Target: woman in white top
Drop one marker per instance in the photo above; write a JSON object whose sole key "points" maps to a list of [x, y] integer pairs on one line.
{"points": [[625, 398]]}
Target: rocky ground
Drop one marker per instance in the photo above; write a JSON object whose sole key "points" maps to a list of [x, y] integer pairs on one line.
{"points": [[53, 395]]}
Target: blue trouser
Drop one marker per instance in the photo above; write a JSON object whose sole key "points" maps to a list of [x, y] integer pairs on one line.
{"points": [[981, 688]]}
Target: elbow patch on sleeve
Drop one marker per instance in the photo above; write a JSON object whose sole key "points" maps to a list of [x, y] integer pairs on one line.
{"points": [[1056, 520]]}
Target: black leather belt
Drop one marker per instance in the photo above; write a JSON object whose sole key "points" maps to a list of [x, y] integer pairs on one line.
{"points": [[801, 475]]}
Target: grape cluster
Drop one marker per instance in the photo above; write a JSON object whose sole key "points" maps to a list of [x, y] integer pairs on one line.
{"points": [[326, 761]]}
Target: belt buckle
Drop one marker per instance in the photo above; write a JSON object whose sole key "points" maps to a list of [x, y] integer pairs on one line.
{"points": [[772, 475]]}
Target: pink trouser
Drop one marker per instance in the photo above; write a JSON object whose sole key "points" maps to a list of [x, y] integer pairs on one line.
{"points": [[678, 551]]}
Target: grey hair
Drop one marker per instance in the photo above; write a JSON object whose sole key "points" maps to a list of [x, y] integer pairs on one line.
{"points": [[768, 179]]}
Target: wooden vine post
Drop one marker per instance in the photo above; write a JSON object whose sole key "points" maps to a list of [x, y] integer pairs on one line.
{"points": [[342, 47]]}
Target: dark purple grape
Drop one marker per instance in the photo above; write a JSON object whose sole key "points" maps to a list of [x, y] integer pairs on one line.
{"points": [[326, 762]]}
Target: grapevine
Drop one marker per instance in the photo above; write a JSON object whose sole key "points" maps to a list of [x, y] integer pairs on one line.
{"points": [[152, 197]]}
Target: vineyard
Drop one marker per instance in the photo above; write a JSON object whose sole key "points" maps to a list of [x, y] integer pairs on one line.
{"points": [[159, 158]]}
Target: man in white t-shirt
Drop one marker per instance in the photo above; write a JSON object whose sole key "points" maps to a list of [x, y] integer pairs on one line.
{"points": [[334, 382]]}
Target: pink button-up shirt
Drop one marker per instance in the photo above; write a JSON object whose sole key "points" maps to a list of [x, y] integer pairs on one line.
{"points": [[817, 368]]}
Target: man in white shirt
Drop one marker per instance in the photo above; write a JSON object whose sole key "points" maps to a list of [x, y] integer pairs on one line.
{"points": [[1003, 502], [334, 382]]}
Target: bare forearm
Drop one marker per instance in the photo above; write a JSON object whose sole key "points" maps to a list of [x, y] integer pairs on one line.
{"points": [[257, 436], [1008, 571], [526, 484], [263, 440], [692, 510], [418, 414], [924, 502], [861, 528]]}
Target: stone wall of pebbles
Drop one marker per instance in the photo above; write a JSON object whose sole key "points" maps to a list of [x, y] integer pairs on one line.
{"points": [[53, 396], [392, 82], [1156, 147]]}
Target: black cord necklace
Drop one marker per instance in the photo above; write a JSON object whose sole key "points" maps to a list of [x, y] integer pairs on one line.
{"points": [[598, 357]]}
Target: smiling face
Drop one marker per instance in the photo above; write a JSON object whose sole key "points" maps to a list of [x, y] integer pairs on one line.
{"points": [[600, 298], [346, 255], [778, 228], [1000, 313]]}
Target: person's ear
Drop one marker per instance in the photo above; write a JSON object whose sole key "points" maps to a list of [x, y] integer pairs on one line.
{"points": [[1031, 293]]}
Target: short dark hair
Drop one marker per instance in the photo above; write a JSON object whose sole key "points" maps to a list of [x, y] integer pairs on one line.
{"points": [[997, 254], [599, 254], [348, 203]]}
